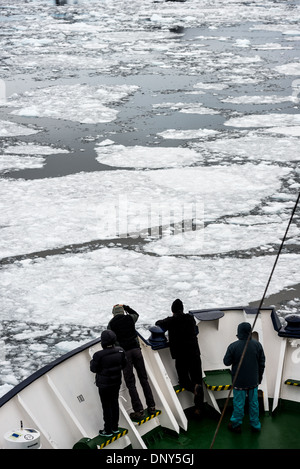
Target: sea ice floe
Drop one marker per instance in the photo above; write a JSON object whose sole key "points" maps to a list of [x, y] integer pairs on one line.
{"points": [[272, 99], [187, 108], [293, 131], [26, 156], [210, 86], [289, 69], [253, 146], [271, 46], [4, 388], [242, 43], [187, 134], [81, 289], [139, 156], [11, 129], [222, 238], [49, 213], [61, 62], [81, 103], [18, 162], [264, 120], [33, 149]]}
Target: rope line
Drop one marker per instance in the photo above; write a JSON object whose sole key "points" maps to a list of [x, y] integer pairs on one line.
{"points": [[255, 319]]}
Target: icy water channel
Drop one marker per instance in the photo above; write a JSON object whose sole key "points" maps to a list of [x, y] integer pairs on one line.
{"points": [[117, 123]]}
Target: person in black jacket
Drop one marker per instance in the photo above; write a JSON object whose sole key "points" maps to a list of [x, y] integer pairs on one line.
{"points": [[184, 348], [108, 364], [248, 378], [124, 327]]}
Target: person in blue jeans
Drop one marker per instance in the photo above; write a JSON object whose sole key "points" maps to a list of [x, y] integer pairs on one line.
{"points": [[248, 378]]}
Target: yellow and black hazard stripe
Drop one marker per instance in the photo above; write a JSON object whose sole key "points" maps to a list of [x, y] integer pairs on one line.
{"points": [[292, 382], [108, 441], [178, 389], [223, 387], [149, 417]]}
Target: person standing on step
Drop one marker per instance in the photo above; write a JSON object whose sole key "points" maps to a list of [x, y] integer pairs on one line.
{"points": [[184, 348], [108, 364], [248, 378], [123, 324]]}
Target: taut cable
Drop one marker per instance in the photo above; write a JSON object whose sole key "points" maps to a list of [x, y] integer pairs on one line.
{"points": [[255, 319]]}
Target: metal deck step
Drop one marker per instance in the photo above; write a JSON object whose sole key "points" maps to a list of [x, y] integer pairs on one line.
{"points": [[218, 380], [99, 442]]}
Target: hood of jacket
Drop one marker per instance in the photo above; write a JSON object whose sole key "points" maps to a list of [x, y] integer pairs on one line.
{"points": [[243, 330], [108, 338]]}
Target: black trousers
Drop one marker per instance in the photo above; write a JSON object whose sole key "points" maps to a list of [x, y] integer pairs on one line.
{"points": [[110, 404], [135, 360], [189, 371]]}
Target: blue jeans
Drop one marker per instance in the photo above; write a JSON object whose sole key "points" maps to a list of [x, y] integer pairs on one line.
{"points": [[239, 397]]}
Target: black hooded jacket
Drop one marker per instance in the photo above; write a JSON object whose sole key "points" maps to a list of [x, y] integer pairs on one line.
{"points": [[183, 331], [109, 362], [123, 326], [253, 364]]}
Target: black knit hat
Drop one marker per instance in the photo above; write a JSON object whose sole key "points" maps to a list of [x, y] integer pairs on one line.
{"points": [[177, 306]]}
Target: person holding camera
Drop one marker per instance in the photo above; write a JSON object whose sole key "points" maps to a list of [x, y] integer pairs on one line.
{"points": [[123, 325]]}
